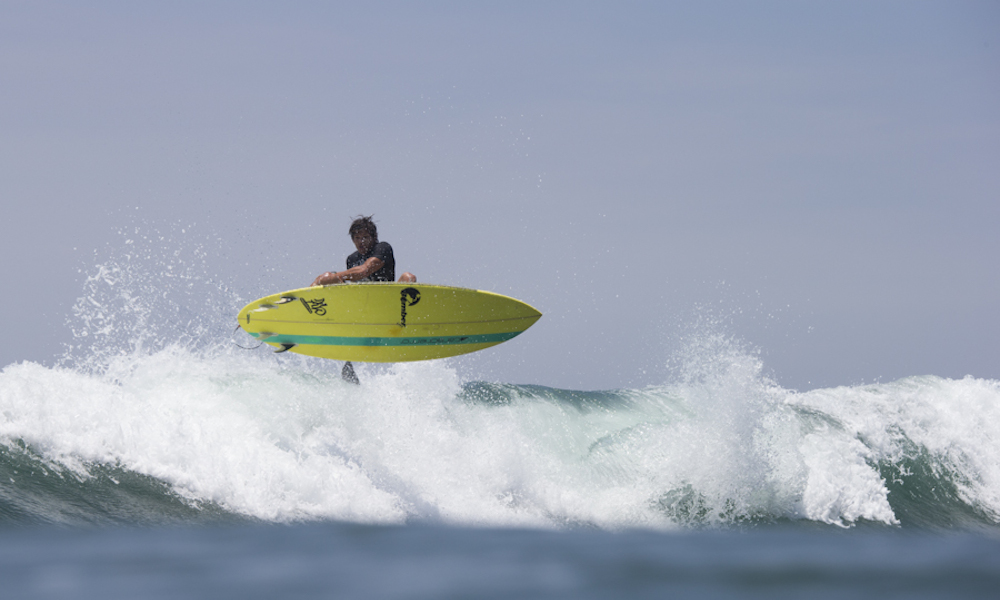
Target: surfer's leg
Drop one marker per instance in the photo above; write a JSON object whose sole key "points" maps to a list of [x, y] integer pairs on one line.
{"points": [[407, 278], [348, 374]]}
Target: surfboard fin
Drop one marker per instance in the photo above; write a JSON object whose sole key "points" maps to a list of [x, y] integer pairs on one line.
{"points": [[284, 348], [263, 335], [348, 374]]}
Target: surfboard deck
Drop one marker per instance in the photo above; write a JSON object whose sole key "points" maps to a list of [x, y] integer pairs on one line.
{"points": [[385, 322]]}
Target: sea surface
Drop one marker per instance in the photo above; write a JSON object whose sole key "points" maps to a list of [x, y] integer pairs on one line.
{"points": [[149, 464]]}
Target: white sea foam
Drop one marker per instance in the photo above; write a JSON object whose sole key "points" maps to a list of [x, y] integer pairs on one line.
{"points": [[150, 387], [285, 439], [953, 425]]}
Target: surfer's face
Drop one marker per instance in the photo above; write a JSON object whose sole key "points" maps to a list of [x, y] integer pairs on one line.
{"points": [[363, 241]]}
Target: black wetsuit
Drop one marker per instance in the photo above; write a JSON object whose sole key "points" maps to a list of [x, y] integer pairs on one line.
{"points": [[381, 250]]}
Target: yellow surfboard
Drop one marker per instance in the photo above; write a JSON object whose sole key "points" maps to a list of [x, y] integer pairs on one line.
{"points": [[385, 322]]}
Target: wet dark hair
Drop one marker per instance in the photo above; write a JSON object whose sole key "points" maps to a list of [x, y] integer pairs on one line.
{"points": [[362, 223]]}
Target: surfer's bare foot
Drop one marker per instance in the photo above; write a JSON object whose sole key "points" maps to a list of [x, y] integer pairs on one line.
{"points": [[407, 278]]}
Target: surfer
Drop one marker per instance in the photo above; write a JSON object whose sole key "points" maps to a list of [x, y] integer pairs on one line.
{"points": [[373, 261]]}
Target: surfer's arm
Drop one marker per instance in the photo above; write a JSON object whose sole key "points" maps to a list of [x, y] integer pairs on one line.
{"points": [[353, 274]]}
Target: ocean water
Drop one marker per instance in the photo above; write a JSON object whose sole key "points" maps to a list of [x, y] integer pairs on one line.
{"points": [[146, 463]]}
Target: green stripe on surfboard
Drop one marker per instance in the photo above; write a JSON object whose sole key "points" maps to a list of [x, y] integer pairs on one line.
{"points": [[438, 340]]}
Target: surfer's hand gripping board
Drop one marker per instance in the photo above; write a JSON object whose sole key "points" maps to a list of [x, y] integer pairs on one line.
{"points": [[385, 322]]}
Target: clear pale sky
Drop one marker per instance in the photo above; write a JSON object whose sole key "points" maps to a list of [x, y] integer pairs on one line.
{"points": [[818, 180]]}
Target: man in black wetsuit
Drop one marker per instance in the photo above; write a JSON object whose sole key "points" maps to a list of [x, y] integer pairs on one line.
{"points": [[373, 261]]}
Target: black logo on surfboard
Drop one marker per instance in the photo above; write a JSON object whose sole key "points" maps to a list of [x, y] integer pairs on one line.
{"points": [[407, 297], [317, 306]]}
